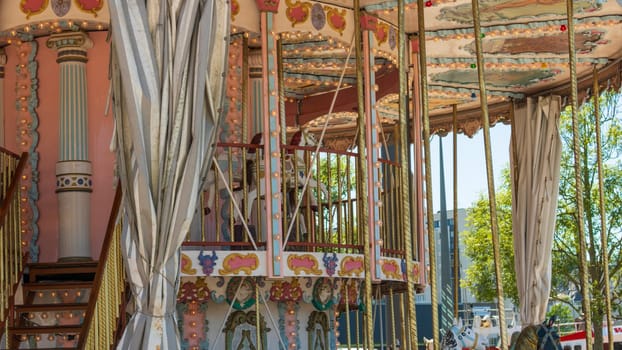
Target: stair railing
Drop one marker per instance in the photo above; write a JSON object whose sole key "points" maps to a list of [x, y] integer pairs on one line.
{"points": [[105, 315], [11, 250]]}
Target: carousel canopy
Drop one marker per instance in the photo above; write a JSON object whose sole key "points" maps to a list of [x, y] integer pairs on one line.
{"points": [[524, 43]]}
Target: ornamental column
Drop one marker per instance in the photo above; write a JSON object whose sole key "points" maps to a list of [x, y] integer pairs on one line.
{"points": [[73, 169], [271, 139]]}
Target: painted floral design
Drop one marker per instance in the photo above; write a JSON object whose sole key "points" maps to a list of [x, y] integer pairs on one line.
{"points": [[351, 289], [285, 291], [336, 19], [235, 9], [91, 6], [33, 7], [297, 12], [193, 291]]}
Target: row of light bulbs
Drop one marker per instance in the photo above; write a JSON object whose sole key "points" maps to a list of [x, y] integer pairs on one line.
{"points": [[58, 315], [523, 32], [54, 294], [413, 5], [496, 65], [50, 337], [15, 36], [299, 36]]}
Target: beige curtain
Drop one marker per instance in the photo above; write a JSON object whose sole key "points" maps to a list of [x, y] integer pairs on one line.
{"points": [[535, 179], [169, 60]]}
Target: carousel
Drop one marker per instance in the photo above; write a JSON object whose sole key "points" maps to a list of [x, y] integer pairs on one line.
{"points": [[255, 174]]}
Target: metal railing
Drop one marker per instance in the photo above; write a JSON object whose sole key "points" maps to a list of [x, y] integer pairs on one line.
{"points": [[11, 251], [321, 215], [105, 316]]}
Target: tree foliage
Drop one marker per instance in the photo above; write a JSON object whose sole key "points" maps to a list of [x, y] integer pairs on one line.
{"points": [[566, 286], [565, 247], [480, 276]]}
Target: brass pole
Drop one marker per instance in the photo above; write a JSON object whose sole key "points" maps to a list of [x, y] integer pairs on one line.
{"points": [[603, 223], [348, 331], [257, 323], [580, 236], [358, 328], [392, 305], [428, 173], [404, 169], [456, 237], [492, 201], [362, 172], [406, 338]]}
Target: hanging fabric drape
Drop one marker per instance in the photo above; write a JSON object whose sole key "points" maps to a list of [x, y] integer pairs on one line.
{"points": [[535, 153], [169, 59]]}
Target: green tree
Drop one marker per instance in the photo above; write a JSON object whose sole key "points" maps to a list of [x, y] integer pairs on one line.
{"points": [[480, 276], [337, 218], [565, 249], [565, 282], [563, 312]]}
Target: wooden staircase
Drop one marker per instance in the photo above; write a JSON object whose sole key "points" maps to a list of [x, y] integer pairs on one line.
{"points": [[64, 305], [55, 302]]}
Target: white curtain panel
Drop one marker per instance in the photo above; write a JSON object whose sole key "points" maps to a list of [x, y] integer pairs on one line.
{"points": [[169, 60], [535, 179]]}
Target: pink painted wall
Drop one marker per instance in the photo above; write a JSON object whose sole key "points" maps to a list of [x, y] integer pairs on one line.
{"points": [[100, 131]]}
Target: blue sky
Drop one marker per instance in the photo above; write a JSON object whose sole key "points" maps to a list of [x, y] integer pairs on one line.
{"points": [[471, 165]]}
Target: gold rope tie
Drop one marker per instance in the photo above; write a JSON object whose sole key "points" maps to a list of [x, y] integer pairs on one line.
{"points": [[154, 271]]}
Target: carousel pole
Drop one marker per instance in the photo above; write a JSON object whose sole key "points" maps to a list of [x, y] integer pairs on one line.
{"points": [[492, 201], [392, 305], [601, 203], [405, 170], [417, 213], [580, 236], [373, 127], [257, 318], [407, 338], [362, 174], [456, 238], [271, 142], [348, 333], [428, 174]]}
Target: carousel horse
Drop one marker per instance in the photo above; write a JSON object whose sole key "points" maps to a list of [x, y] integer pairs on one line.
{"points": [[223, 189], [428, 343], [459, 337], [295, 166], [540, 337]]}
